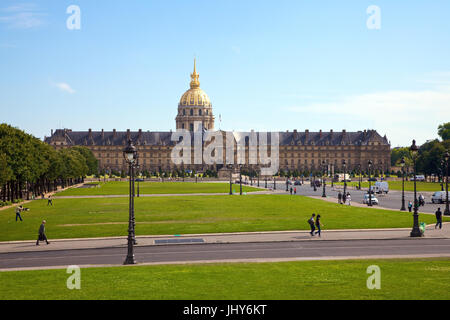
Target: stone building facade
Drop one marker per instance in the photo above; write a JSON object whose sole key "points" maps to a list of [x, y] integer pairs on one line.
{"points": [[298, 150]]}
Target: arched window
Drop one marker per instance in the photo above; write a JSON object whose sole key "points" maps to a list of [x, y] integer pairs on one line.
{"points": [[192, 112]]}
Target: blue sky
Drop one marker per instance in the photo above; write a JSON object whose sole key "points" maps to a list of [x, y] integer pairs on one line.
{"points": [[266, 65]]}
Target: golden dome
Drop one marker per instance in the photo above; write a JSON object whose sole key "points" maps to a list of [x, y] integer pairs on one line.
{"points": [[195, 96]]}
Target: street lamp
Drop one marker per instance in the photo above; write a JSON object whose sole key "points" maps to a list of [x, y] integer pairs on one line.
{"points": [[402, 164], [230, 167], [360, 176], [344, 164], [287, 181], [240, 178], [130, 155], [324, 195], [416, 230], [370, 193], [447, 211], [258, 172]]}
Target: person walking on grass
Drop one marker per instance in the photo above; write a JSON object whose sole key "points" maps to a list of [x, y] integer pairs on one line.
{"points": [[318, 225], [42, 236], [311, 224], [50, 201], [291, 191], [19, 209], [438, 214]]}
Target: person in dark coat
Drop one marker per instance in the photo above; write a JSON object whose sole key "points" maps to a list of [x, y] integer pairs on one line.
{"points": [[438, 218], [42, 236], [340, 197], [318, 225]]}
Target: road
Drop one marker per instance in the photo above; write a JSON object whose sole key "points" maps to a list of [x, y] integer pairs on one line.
{"points": [[392, 200], [234, 251]]}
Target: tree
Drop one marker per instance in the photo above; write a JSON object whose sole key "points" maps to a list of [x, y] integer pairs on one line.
{"points": [[444, 131]]}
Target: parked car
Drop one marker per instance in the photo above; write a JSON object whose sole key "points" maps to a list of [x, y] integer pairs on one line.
{"points": [[419, 178], [366, 199], [297, 183], [439, 197], [373, 179]]}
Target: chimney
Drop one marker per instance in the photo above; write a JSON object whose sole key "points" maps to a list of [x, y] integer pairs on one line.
{"points": [[114, 133], [320, 134], [140, 134], [90, 133], [103, 134], [295, 134], [128, 134], [306, 134]]}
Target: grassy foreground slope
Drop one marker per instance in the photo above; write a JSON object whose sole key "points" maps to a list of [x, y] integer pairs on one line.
{"points": [[400, 279], [101, 217], [121, 188]]}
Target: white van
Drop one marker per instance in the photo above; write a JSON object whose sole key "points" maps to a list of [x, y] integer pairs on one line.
{"points": [[439, 197], [380, 187]]}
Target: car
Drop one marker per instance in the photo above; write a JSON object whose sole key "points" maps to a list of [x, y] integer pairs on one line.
{"points": [[373, 179], [367, 199], [380, 187], [438, 197], [297, 183], [419, 178]]}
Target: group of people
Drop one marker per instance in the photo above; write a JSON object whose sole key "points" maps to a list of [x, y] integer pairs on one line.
{"points": [[345, 198], [293, 190], [41, 233], [314, 223]]}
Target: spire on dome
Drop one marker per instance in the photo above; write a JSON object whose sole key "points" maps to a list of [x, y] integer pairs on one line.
{"points": [[194, 77]]}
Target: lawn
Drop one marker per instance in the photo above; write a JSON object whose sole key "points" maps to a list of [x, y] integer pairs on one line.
{"points": [[101, 217], [414, 279], [122, 188], [397, 185]]}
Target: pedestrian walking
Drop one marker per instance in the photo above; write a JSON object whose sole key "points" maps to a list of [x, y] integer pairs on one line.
{"points": [[50, 201], [339, 197], [19, 210], [349, 199], [311, 224], [409, 206], [42, 236], [344, 198], [438, 214], [318, 225], [291, 191], [295, 190]]}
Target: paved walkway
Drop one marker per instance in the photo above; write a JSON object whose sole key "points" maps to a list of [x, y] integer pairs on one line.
{"points": [[245, 237]]}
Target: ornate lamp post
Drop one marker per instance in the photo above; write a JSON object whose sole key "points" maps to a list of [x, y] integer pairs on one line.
{"points": [[360, 176], [230, 167], [344, 164], [402, 164], [240, 178], [416, 230], [287, 181], [258, 172], [370, 192], [446, 158], [130, 155], [324, 194]]}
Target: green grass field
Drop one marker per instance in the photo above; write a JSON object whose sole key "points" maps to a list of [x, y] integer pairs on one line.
{"points": [[101, 217], [121, 188], [397, 185], [415, 279]]}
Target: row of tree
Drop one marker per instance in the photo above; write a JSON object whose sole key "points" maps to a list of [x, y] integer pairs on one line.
{"points": [[430, 158], [30, 167]]}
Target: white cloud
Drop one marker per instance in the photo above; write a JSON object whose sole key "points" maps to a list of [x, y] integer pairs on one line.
{"points": [[22, 16], [65, 87], [402, 115]]}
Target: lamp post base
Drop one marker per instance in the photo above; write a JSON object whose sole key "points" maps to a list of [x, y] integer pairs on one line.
{"points": [[416, 233], [130, 260]]}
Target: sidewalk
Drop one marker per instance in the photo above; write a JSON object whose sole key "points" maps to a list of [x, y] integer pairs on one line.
{"points": [[245, 237]]}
